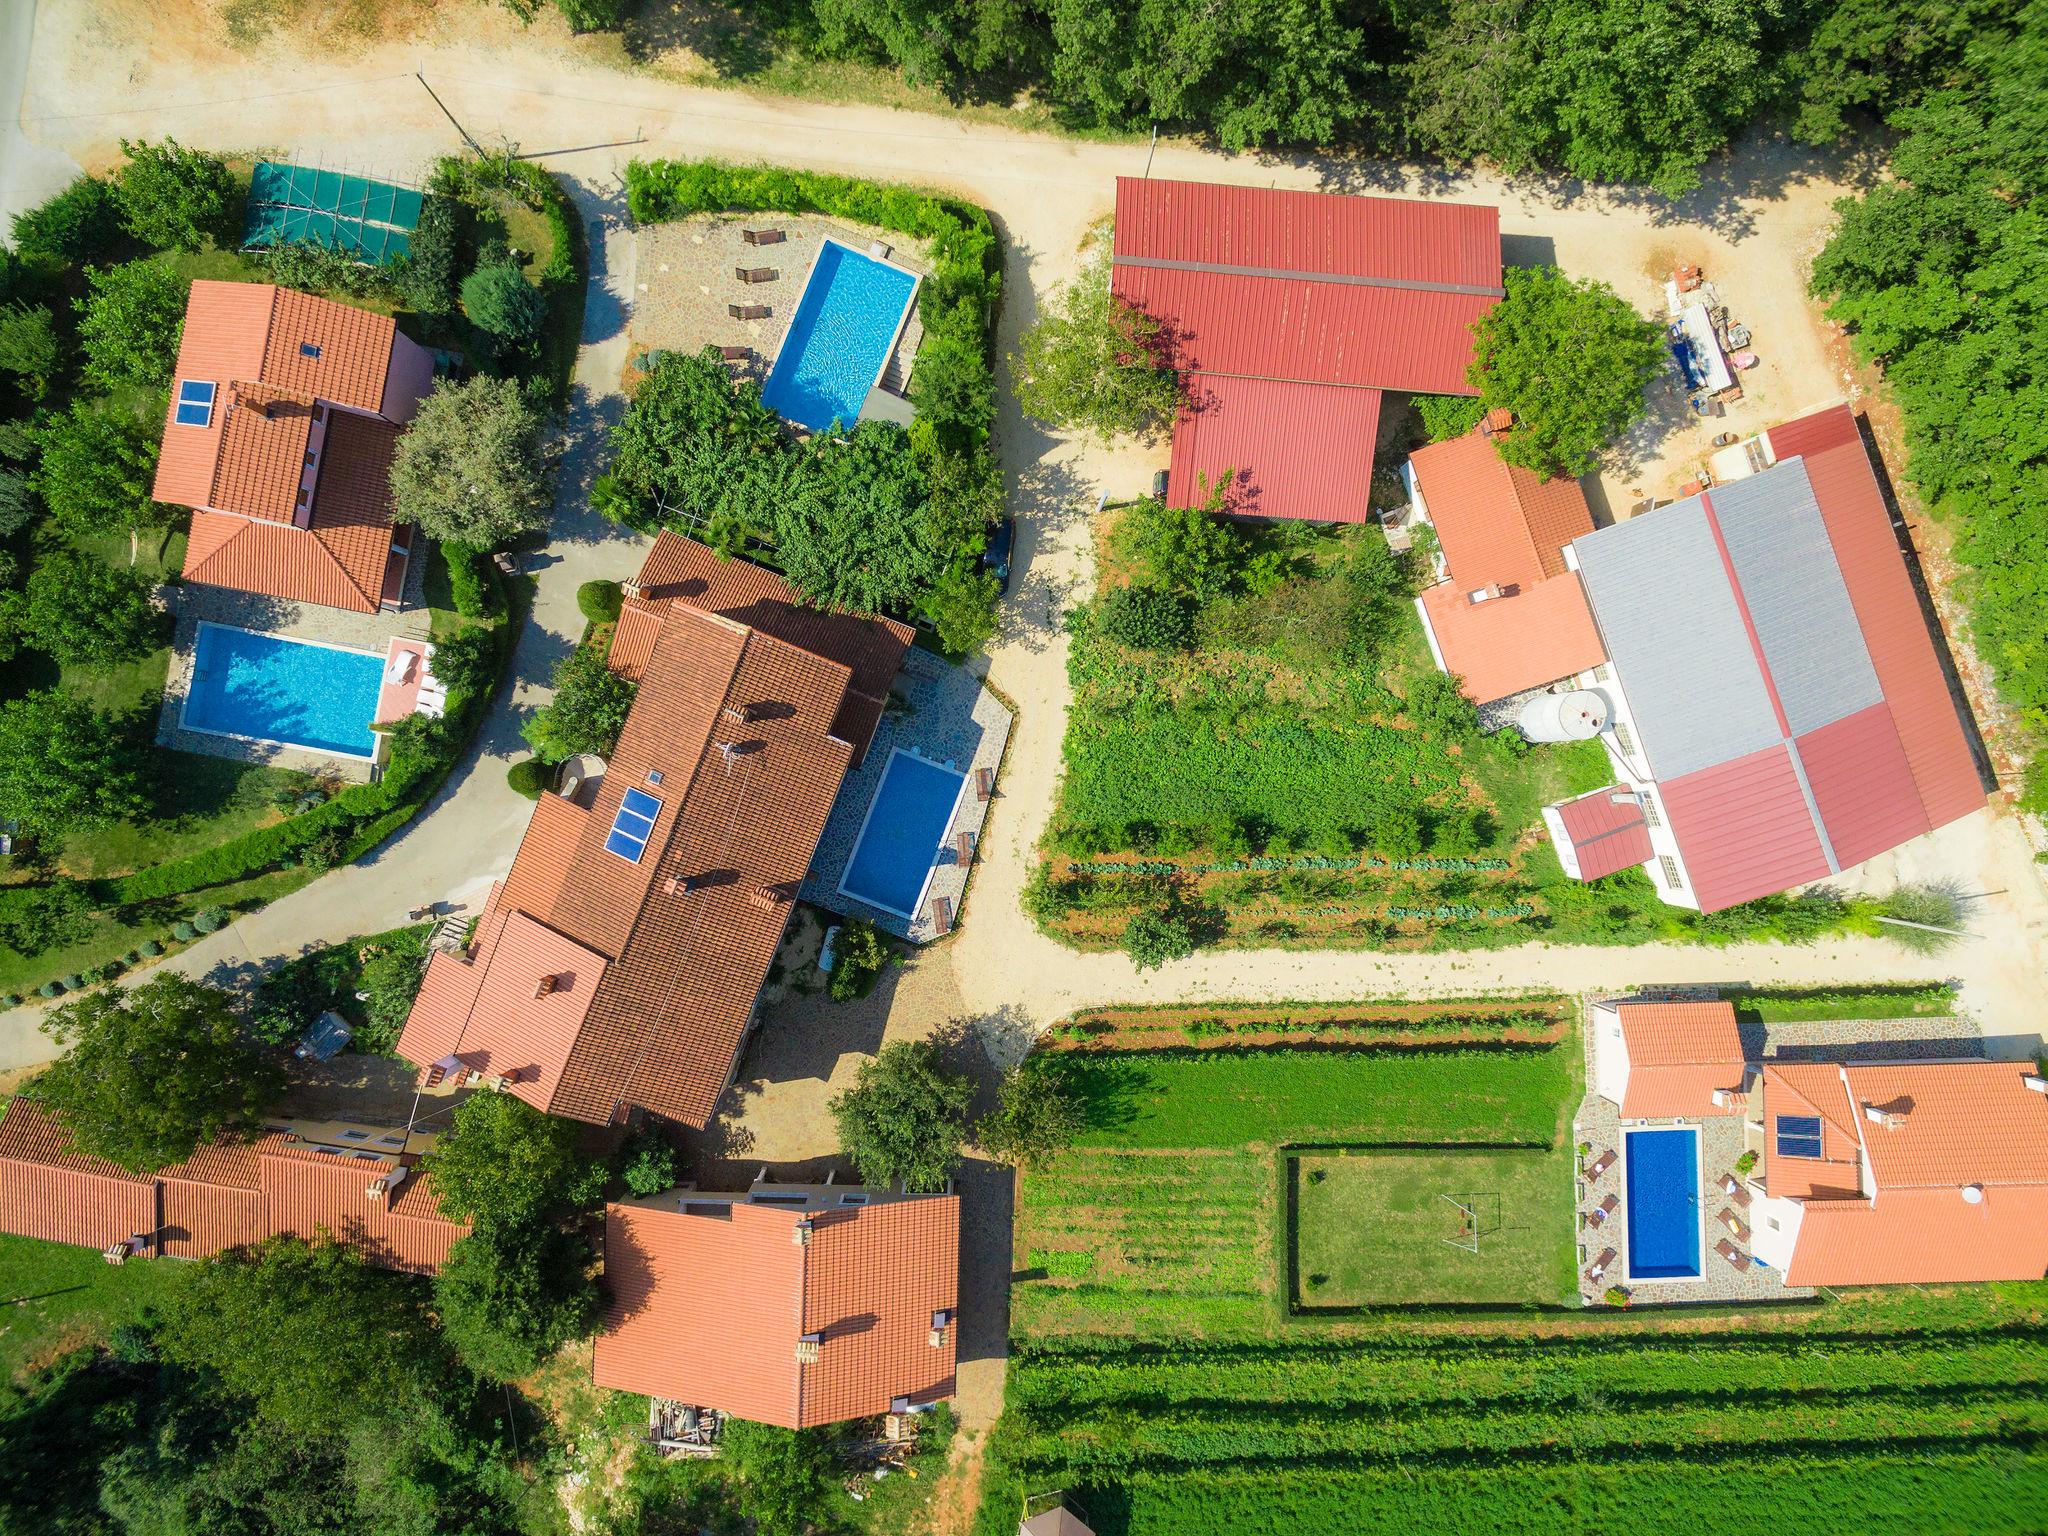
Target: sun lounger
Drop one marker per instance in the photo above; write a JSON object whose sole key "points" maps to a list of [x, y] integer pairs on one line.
{"points": [[942, 915], [763, 236], [1603, 1210], [963, 846], [736, 354], [756, 274], [1600, 1164], [1735, 1190], [749, 311], [400, 670], [1597, 1271], [1734, 1224], [879, 249], [984, 783], [1727, 1250]]}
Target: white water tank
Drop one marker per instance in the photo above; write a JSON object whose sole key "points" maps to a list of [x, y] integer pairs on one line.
{"points": [[1579, 715]]}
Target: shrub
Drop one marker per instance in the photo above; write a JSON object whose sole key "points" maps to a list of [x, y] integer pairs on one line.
{"points": [[466, 663], [80, 224], [209, 919], [1617, 1297], [1153, 938], [151, 948], [600, 601], [427, 277], [50, 989], [529, 777], [1939, 904], [183, 932], [1398, 834], [647, 1162], [466, 582], [73, 982], [498, 299], [172, 197], [1745, 1162], [859, 957], [29, 348], [587, 712], [1144, 618]]}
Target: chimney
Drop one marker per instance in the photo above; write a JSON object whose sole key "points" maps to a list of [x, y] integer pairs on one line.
{"points": [[1890, 1120], [766, 897], [1497, 422], [670, 886], [1484, 594], [800, 1234], [940, 1319], [545, 985], [807, 1348], [631, 587], [2035, 1081]]}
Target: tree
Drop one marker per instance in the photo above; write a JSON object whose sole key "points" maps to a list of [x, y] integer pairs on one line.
{"points": [[427, 275], [852, 527], [1881, 56], [1035, 1119], [1153, 938], [466, 663], [587, 712], [498, 299], [1571, 359], [1092, 363], [784, 1475], [859, 957], [80, 224], [130, 322], [314, 1338], [1188, 550], [81, 609], [96, 469], [391, 977], [700, 443], [905, 1117], [943, 43], [151, 1072], [505, 1164], [952, 388], [469, 468], [1446, 416], [1144, 618], [647, 1162], [29, 348], [508, 1297], [174, 198], [962, 607], [64, 766]]}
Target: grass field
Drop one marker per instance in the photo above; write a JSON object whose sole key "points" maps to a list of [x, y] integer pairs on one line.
{"points": [[1374, 1228], [54, 1298]]}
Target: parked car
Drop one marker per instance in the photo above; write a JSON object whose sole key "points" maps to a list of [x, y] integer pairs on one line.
{"points": [[996, 558], [1159, 486]]}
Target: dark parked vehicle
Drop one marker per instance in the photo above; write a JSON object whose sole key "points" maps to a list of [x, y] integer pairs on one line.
{"points": [[996, 558]]}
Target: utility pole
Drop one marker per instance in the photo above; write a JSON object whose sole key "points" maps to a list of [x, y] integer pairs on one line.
{"points": [[1148, 149], [475, 147]]}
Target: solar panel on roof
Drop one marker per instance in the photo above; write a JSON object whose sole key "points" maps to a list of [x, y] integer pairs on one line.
{"points": [[195, 403], [633, 825], [1798, 1136]]}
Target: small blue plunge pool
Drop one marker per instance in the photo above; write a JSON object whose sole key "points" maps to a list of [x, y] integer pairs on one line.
{"points": [[1663, 1194], [899, 842], [293, 692], [839, 338]]}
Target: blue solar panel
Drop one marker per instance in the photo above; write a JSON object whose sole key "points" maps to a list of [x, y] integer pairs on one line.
{"points": [[1798, 1136], [633, 825], [195, 402]]}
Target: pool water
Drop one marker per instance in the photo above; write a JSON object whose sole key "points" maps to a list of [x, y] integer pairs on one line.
{"points": [[1663, 1194], [899, 842], [839, 338], [268, 688]]}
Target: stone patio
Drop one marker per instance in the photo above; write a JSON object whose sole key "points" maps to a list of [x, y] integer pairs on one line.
{"points": [[194, 604], [1598, 1122], [942, 713]]}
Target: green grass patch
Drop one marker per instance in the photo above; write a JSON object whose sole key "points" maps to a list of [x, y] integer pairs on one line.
{"points": [[1382, 1227], [1909, 1000], [200, 801], [1144, 1099], [55, 1298]]}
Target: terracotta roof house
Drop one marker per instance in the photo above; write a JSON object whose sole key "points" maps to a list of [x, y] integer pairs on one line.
{"points": [[617, 964], [1657, 1060], [1894, 1172], [353, 1182], [1772, 699], [1286, 315], [1508, 613], [792, 1304], [285, 410]]}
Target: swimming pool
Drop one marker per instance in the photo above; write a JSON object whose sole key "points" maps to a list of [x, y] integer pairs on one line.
{"points": [[840, 337], [899, 841], [1663, 1191], [298, 693]]}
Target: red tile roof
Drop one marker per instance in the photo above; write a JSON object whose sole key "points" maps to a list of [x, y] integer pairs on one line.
{"points": [[1606, 835], [1678, 1054], [1308, 288], [1498, 524], [222, 1196], [686, 933], [707, 1305], [1299, 450], [680, 570], [1508, 644]]}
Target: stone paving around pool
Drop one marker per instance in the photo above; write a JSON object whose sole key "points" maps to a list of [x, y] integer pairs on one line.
{"points": [[1721, 1142], [194, 604], [943, 713], [686, 279]]}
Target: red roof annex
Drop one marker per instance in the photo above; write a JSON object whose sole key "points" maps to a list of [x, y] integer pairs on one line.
{"points": [[1294, 295]]}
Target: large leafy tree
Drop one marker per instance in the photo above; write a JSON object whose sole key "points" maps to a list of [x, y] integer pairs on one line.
{"points": [[149, 1073], [1571, 359], [905, 1117], [1092, 362], [508, 1297], [854, 530], [469, 469], [951, 44], [80, 224], [130, 322], [1867, 56], [81, 609], [172, 197], [693, 441], [503, 1163], [64, 765], [784, 1475], [1035, 1119], [587, 712], [97, 465]]}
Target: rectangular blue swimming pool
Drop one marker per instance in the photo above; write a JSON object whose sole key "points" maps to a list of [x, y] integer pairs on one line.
{"points": [[839, 338], [293, 692], [899, 842], [1663, 1194]]}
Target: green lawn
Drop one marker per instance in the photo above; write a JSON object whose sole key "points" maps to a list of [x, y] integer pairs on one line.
{"points": [[200, 802], [1378, 1227], [54, 1298], [1905, 1000]]}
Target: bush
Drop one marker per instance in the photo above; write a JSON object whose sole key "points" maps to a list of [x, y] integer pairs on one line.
{"points": [[466, 663], [1153, 938], [80, 224], [172, 197], [529, 777], [151, 948], [1940, 905], [587, 712], [50, 989], [857, 960], [600, 601], [184, 932], [427, 276], [1144, 618], [498, 299], [466, 581], [647, 1162], [29, 348], [209, 919]]}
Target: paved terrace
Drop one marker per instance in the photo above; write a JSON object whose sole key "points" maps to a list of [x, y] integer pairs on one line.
{"points": [[1721, 1143]]}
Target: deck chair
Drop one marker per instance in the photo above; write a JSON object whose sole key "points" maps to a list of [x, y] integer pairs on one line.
{"points": [[1603, 1210], [1735, 1224], [1735, 1190], [1727, 1250], [1600, 1164], [749, 311], [736, 354], [984, 783], [1597, 1271], [763, 236], [963, 846], [756, 274], [942, 915]]}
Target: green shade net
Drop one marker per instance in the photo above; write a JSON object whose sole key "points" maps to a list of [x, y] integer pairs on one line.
{"points": [[371, 221]]}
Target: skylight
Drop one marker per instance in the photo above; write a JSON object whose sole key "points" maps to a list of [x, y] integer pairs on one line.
{"points": [[195, 403], [633, 825]]}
